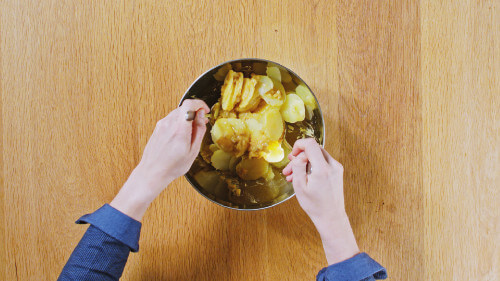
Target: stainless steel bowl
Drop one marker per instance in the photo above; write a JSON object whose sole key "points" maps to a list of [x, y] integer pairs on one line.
{"points": [[207, 88]]}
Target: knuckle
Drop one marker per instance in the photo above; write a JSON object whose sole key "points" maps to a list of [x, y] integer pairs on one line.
{"points": [[300, 142], [339, 168], [308, 143], [187, 103], [160, 123]]}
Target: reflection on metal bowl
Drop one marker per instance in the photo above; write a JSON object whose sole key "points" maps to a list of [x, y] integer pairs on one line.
{"points": [[257, 194]]}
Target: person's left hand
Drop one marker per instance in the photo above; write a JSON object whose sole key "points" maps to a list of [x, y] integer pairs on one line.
{"points": [[169, 154]]}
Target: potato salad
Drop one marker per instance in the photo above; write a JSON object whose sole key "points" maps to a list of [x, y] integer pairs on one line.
{"points": [[249, 123]]}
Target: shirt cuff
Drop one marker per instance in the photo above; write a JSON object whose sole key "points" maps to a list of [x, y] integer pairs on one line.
{"points": [[359, 267], [116, 224]]}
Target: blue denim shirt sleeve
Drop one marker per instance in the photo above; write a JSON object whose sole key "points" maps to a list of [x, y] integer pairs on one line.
{"points": [[103, 250], [358, 268]]}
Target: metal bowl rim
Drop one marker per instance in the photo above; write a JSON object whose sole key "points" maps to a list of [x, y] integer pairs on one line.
{"points": [[240, 60]]}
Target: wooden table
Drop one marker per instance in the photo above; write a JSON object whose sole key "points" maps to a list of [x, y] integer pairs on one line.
{"points": [[409, 89]]}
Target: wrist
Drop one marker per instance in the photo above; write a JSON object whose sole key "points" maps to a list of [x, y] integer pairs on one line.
{"points": [[137, 193], [338, 239], [333, 219], [154, 181]]}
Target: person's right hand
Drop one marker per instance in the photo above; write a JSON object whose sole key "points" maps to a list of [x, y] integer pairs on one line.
{"points": [[321, 195]]}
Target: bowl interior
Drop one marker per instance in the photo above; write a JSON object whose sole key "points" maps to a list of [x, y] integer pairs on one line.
{"points": [[258, 195]]}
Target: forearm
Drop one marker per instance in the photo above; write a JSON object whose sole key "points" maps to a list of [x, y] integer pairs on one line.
{"points": [[344, 258], [137, 193], [338, 239]]}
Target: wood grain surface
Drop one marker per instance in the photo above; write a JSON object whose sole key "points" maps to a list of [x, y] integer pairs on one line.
{"points": [[410, 91]]}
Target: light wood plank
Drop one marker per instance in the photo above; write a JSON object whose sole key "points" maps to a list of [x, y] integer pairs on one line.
{"points": [[381, 130], [3, 241], [460, 78]]}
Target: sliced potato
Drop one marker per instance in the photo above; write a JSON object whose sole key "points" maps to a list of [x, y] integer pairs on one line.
{"points": [[278, 86], [233, 162], [246, 115], [309, 101], [258, 139], [263, 106], [265, 126], [273, 124], [253, 124], [215, 112], [252, 168], [274, 72], [271, 93], [276, 96], [250, 98], [227, 114], [305, 94], [264, 84], [231, 90], [293, 110], [220, 160], [231, 135]]}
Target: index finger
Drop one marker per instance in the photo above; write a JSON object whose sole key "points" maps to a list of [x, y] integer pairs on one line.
{"points": [[184, 126], [194, 105], [299, 178], [312, 150]]}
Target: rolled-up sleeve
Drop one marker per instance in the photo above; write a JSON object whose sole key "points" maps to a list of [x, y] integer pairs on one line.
{"points": [[103, 250], [358, 268]]}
